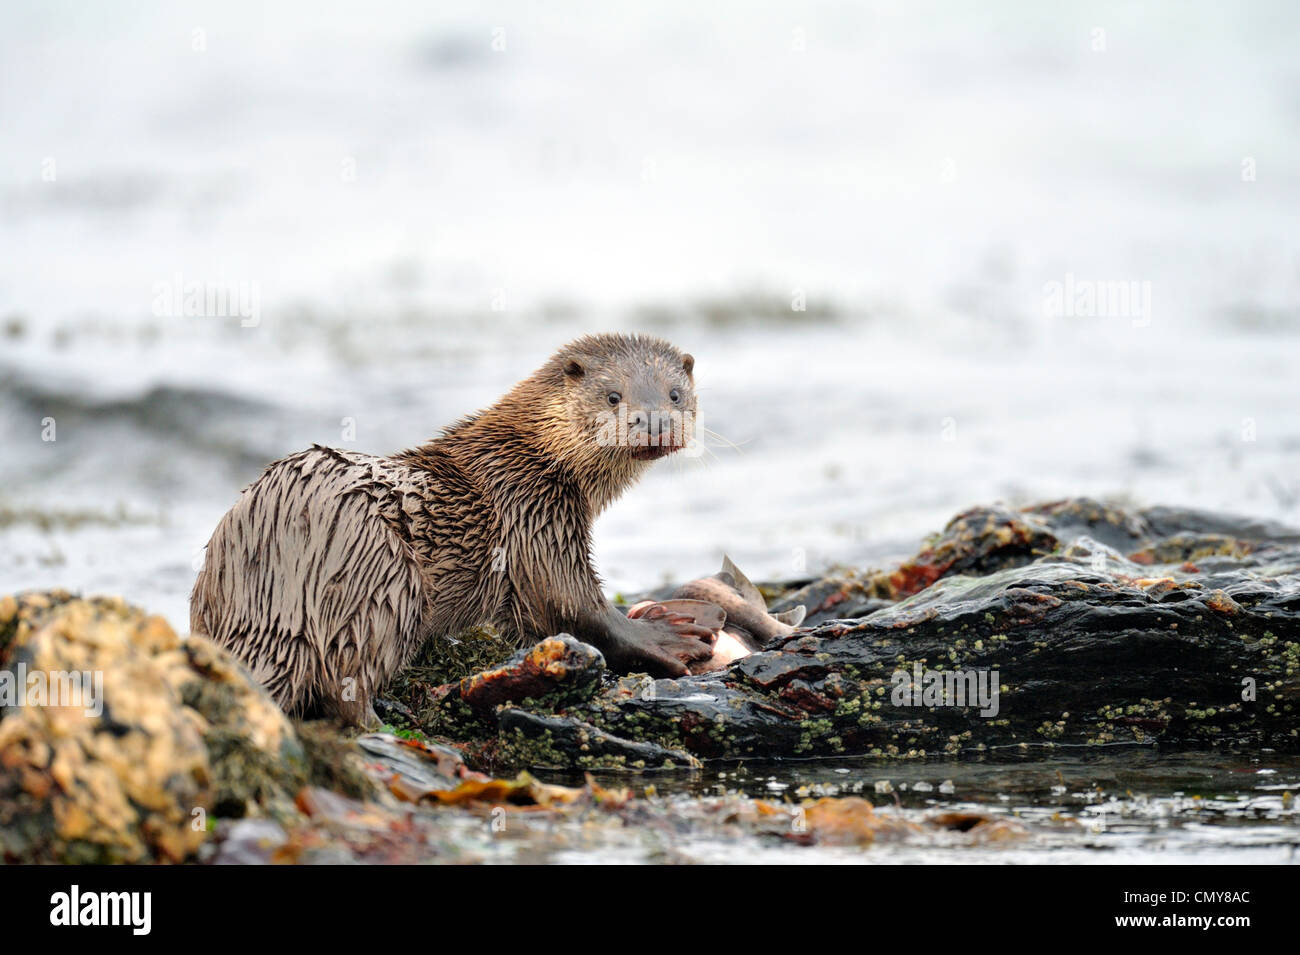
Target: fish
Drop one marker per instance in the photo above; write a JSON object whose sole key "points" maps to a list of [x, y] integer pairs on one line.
{"points": [[732, 607]]}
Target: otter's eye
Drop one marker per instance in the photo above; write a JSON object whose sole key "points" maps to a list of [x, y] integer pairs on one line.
{"points": [[615, 397], [675, 396]]}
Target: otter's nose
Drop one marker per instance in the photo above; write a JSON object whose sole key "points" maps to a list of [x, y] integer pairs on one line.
{"points": [[650, 422]]}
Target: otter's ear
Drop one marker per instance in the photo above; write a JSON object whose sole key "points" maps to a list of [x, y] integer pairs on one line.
{"points": [[688, 362], [573, 369]]}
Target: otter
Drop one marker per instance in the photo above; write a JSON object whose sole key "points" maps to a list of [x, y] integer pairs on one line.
{"points": [[334, 567]]}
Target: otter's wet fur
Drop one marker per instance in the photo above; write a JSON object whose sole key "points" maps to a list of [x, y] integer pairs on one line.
{"points": [[334, 567]]}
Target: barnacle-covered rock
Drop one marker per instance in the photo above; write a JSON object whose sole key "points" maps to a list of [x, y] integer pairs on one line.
{"points": [[1072, 623]]}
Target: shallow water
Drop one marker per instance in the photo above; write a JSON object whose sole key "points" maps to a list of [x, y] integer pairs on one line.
{"points": [[1121, 806]]}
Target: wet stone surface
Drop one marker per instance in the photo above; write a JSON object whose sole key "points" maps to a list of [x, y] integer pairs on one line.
{"points": [[1102, 626]]}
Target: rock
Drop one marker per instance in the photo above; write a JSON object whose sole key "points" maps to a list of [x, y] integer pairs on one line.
{"points": [[560, 665], [847, 821], [250, 842], [1102, 627], [169, 732], [412, 764], [981, 827], [556, 741]]}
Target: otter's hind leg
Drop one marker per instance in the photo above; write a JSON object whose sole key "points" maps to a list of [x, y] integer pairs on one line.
{"points": [[288, 664], [310, 589], [364, 648]]}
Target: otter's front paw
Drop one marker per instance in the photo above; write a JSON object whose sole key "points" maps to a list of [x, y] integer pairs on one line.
{"points": [[667, 643]]}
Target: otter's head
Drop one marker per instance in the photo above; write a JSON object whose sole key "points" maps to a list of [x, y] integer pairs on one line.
{"points": [[632, 396], [616, 403]]}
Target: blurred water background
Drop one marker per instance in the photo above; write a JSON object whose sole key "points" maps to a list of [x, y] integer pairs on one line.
{"points": [[414, 204]]}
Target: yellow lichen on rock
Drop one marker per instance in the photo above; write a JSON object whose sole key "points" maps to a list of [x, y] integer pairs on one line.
{"points": [[125, 771]]}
